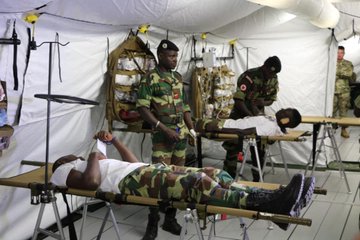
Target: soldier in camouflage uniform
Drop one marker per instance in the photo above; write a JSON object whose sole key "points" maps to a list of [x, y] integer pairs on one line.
{"points": [[197, 185], [344, 73], [162, 103], [256, 88]]}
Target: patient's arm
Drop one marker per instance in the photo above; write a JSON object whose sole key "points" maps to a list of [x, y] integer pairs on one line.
{"points": [[90, 179], [124, 152], [241, 106]]}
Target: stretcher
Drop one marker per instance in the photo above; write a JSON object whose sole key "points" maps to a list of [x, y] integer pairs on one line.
{"points": [[344, 121], [292, 136], [328, 124], [34, 180]]}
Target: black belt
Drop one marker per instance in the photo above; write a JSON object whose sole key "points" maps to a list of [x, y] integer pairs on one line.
{"points": [[170, 120]]}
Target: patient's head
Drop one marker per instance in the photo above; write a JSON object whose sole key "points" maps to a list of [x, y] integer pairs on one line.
{"points": [[288, 118], [63, 160]]}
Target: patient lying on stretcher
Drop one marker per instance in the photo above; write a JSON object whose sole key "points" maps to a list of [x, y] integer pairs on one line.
{"points": [[200, 185], [259, 125]]}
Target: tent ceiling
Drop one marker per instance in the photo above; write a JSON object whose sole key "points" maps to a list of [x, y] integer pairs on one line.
{"points": [[227, 19], [180, 16]]}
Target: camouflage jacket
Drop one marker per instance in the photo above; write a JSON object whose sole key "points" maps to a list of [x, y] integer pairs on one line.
{"points": [[344, 74], [252, 85], [163, 93]]}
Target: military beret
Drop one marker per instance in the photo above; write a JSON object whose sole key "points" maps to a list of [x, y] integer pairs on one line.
{"points": [[273, 64], [167, 45]]}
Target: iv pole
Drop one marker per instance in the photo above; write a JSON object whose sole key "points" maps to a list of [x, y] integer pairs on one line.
{"points": [[47, 196]]}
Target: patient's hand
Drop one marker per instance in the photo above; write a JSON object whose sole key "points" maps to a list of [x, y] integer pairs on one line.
{"points": [[104, 136]]}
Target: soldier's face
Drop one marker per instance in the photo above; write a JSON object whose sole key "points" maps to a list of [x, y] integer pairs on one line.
{"points": [[268, 73], [340, 54], [168, 59]]}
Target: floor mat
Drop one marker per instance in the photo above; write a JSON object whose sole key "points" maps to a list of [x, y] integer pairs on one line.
{"points": [[348, 166]]}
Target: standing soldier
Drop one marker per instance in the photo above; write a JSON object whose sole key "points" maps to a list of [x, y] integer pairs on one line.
{"points": [[162, 103], [344, 75], [256, 88]]}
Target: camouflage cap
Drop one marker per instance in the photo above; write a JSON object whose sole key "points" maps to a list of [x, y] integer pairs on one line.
{"points": [[273, 64], [167, 45]]}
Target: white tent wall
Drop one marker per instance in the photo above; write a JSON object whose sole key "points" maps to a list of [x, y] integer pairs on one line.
{"points": [[71, 126], [306, 81]]}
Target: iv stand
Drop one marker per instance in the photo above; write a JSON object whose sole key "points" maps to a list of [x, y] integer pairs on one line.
{"points": [[44, 191]]}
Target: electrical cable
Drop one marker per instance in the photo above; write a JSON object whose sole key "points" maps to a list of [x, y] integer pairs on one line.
{"points": [[349, 14]]}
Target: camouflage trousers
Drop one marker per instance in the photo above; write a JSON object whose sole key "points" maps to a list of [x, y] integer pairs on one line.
{"points": [[198, 185], [166, 151], [341, 104]]}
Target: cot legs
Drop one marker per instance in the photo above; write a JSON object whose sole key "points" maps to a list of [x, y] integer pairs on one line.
{"points": [[108, 212], [328, 131], [113, 219], [252, 142], [192, 217], [57, 217]]}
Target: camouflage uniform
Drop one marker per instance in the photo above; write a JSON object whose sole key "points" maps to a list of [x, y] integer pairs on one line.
{"points": [[357, 102], [344, 73], [163, 93], [250, 86], [200, 185]]}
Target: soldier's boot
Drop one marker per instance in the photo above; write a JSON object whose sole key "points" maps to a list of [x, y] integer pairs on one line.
{"points": [[152, 226], [344, 133], [282, 201], [308, 190], [170, 223]]}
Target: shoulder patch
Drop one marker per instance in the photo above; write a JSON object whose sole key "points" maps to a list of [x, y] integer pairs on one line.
{"points": [[243, 87]]}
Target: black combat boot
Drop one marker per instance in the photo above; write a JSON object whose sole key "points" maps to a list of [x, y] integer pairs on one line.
{"points": [[170, 223], [282, 201], [309, 186], [308, 190], [152, 226]]}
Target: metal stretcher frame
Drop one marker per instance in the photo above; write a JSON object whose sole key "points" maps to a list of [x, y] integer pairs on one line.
{"points": [[35, 179], [292, 136], [327, 123]]}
